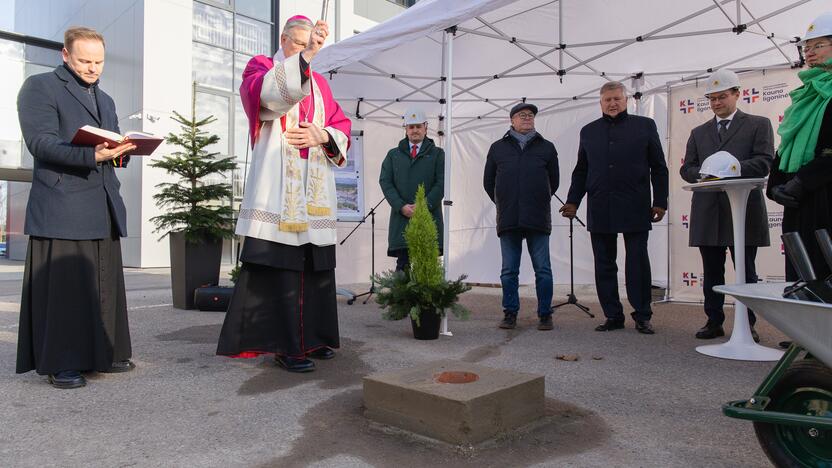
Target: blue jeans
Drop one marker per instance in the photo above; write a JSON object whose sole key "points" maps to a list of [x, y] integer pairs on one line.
{"points": [[511, 247]]}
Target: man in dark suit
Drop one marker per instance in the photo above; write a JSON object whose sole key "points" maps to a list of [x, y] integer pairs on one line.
{"points": [[619, 157], [750, 139], [73, 311]]}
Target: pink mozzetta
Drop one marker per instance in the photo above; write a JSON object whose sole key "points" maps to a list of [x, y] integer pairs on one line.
{"points": [[250, 96]]}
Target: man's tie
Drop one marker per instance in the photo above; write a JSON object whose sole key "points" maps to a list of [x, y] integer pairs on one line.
{"points": [[723, 129], [413, 151]]}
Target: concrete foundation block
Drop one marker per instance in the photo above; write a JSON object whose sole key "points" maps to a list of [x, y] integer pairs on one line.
{"points": [[425, 400]]}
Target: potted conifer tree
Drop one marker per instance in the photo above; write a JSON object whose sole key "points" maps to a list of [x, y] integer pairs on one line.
{"points": [[421, 292], [197, 214]]}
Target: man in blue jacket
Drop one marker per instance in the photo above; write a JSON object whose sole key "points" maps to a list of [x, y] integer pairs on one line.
{"points": [[73, 310], [619, 157], [521, 175]]}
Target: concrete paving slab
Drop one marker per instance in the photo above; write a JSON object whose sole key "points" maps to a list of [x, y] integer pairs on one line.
{"points": [[650, 401]]}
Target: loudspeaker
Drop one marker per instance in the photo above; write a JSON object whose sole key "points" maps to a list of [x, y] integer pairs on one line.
{"points": [[212, 298]]}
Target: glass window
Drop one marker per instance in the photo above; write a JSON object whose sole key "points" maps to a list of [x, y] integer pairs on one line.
{"points": [[261, 9], [10, 50], [213, 104], [213, 25], [240, 62], [213, 66], [42, 56], [252, 37], [241, 143]]}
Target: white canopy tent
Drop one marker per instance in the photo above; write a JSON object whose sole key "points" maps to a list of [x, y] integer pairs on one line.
{"points": [[466, 62]]}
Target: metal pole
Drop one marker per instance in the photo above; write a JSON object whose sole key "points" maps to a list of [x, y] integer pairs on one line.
{"points": [[668, 129], [448, 65], [324, 10], [739, 12], [560, 34]]}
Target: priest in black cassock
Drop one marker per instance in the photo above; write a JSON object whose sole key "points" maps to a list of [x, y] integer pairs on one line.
{"points": [[284, 300], [73, 309]]}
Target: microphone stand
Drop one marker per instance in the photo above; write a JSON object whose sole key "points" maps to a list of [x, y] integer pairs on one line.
{"points": [[571, 299], [372, 216]]}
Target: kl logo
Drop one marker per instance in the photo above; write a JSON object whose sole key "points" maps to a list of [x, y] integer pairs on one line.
{"points": [[750, 96], [690, 279], [685, 221], [686, 106]]}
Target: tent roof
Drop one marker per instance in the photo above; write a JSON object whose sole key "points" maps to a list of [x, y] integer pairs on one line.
{"points": [[507, 50]]}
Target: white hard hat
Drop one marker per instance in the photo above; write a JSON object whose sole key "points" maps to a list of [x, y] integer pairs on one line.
{"points": [[820, 27], [414, 115], [721, 80], [720, 165]]}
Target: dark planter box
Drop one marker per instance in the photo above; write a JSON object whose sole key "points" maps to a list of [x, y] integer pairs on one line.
{"points": [[192, 265], [428, 328]]}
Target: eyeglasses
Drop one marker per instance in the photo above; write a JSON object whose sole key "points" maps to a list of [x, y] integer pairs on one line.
{"points": [[524, 115], [814, 47]]}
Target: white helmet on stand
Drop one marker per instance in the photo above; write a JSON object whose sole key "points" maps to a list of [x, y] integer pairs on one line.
{"points": [[720, 165], [820, 27]]}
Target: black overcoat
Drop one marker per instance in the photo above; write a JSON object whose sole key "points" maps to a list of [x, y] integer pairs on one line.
{"points": [[618, 160], [70, 191], [521, 183]]}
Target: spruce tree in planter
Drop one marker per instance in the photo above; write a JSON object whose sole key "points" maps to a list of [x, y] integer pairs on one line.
{"points": [[421, 292], [196, 215]]}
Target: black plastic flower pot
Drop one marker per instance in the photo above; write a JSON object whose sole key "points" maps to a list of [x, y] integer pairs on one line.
{"points": [[192, 265], [428, 327]]}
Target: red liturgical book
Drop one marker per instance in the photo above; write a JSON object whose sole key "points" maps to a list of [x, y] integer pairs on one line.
{"points": [[92, 136]]}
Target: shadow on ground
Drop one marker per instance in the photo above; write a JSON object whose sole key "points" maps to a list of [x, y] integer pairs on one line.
{"points": [[198, 334], [338, 427], [345, 370]]}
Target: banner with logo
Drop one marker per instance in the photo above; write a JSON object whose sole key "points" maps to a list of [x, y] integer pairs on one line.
{"points": [[762, 93]]}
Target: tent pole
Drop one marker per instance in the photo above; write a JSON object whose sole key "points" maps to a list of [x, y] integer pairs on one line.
{"points": [[667, 291], [517, 44], [560, 34], [739, 12], [448, 85], [637, 95]]}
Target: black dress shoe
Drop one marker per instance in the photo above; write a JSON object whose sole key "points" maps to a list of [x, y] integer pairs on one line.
{"points": [[120, 366], [322, 353], [784, 344], [294, 364], [645, 327], [610, 325], [545, 323], [709, 332], [67, 379], [509, 321]]}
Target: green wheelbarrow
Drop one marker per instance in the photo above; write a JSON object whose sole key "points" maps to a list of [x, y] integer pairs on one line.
{"points": [[792, 408]]}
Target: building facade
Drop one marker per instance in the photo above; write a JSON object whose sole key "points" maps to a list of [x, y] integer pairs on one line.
{"points": [[160, 54]]}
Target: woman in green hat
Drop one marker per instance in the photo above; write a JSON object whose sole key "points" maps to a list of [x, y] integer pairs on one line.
{"points": [[801, 176]]}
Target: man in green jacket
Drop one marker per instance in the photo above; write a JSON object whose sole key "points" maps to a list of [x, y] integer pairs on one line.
{"points": [[417, 160]]}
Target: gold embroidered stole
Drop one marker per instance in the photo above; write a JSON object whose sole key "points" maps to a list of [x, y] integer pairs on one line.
{"points": [[302, 198]]}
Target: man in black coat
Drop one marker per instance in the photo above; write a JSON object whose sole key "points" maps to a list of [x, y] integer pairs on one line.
{"points": [[619, 157], [750, 139], [521, 175], [73, 311]]}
